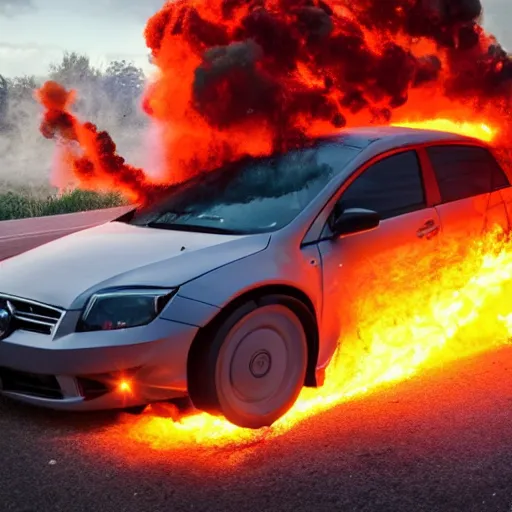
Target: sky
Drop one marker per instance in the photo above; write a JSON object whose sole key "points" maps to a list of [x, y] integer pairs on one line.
{"points": [[35, 33]]}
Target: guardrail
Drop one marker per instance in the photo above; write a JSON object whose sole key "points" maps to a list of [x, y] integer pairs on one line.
{"points": [[17, 236]]}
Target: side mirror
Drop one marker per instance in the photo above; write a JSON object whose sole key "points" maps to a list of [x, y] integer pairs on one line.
{"points": [[354, 220]]}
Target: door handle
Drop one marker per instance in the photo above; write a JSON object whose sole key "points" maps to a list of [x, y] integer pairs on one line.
{"points": [[428, 230]]}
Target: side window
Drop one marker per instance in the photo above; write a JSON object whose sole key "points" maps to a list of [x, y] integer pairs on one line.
{"points": [[465, 171], [392, 186]]}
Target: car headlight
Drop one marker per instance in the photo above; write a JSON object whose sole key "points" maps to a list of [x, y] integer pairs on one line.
{"points": [[122, 308]]}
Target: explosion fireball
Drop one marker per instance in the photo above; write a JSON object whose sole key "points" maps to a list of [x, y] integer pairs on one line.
{"points": [[238, 77]]}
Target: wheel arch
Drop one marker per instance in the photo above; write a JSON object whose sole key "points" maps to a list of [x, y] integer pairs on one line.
{"points": [[253, 295]]}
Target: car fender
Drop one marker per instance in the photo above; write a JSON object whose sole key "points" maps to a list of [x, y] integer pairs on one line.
{"points": [[211, 292], [189, 311]]}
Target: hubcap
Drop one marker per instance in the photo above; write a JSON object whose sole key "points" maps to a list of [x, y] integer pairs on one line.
{"points": [[260, 364]]}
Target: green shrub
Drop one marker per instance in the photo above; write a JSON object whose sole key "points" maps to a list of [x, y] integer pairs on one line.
{"points": [[16, 205]]}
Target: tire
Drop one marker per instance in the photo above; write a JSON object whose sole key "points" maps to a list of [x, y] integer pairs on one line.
{"points": [[251, 365]]}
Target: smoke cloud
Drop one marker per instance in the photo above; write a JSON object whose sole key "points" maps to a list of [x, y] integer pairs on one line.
{"points": [[239, 78]]}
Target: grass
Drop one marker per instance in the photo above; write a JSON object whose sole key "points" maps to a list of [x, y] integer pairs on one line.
{"points": [[20, 205]]}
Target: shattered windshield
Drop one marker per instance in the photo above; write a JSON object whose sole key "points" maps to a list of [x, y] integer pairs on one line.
{"points": [[252, 195]]}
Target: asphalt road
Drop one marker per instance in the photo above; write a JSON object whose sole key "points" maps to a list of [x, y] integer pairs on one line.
{"points": [[21, 235], [440, 442]]}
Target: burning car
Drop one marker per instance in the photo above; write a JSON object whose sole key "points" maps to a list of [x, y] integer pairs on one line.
{"points": [[232, 288]]}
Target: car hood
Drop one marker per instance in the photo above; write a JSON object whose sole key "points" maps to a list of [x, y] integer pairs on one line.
{"points": [[66, 271]]}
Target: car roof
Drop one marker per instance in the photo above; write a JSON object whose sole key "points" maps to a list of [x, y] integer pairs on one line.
{"points": [[390, 137]]}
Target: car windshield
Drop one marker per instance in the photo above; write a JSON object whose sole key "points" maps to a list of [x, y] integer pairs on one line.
{"points": [[252, 195]]}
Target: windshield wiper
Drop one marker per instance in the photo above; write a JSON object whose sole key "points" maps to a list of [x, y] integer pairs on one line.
{"points": [[195, 228]]}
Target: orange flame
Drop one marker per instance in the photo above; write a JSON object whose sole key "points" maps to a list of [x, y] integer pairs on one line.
{"points": [[460, 311], [236, 78], [482, 131]]}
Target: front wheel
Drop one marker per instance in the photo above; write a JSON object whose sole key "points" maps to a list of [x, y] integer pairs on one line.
{"points": [[252, 368]]}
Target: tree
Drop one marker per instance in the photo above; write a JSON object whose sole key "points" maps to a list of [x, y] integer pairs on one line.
{"points": [[74, 69], [123, 83], [22, 87], [111, 95], [76, 72]]}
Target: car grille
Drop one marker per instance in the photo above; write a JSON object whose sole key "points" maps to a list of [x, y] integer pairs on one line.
{"points": [[33, 316], [43, 386]]}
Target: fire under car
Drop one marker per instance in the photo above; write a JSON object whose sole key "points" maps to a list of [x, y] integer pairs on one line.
{"points": [[235, 288]]}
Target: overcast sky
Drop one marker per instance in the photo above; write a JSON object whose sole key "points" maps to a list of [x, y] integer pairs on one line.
{"points": [[34, 33]]}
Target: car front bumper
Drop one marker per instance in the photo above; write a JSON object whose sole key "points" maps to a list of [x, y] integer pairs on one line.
{"points": [[97, 370]]}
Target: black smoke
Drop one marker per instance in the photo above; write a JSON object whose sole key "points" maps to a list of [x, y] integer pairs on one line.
{"points": [[251, 65]]}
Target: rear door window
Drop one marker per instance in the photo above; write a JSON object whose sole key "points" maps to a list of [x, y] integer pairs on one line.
{"points": [[392, 186], [465, 171]]}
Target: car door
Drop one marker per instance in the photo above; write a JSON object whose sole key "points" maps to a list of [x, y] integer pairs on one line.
{"points": [[362, 272], [469, 180]]}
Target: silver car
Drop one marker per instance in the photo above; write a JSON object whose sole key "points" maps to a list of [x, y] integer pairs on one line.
{"points": [[233, 288]]}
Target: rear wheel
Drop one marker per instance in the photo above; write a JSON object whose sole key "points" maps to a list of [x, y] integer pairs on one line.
{"points": [[251, 367]]}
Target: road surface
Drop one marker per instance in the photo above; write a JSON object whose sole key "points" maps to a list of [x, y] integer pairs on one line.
{"points": [[441, 442], [21, 235]]}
